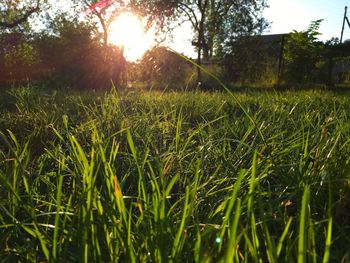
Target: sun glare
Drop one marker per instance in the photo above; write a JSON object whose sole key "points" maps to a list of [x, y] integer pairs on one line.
{"points": [[128, 31]]}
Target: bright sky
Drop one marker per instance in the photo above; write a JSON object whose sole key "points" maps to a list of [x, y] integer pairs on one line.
{"points": [[287, 15]]}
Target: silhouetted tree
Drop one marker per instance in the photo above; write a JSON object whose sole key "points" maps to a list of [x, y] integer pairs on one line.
{"points": [[106, 11], [302, 51], [78, 59], [252, 59], [161, 68], [17, 57]]}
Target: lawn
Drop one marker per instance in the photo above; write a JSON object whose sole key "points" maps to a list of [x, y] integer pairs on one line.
{"points": [[94, 176]]}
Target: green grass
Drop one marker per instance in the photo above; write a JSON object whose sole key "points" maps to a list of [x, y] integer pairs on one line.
{"points": [[180, 177]]}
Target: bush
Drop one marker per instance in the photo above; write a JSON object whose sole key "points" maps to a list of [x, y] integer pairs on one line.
{"points": [[161, 68]]}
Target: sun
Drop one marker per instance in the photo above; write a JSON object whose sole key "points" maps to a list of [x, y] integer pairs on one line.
{"points": [[127, 30]]}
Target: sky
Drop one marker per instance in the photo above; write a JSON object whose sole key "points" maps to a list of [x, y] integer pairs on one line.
{"points": [[286, 16]]}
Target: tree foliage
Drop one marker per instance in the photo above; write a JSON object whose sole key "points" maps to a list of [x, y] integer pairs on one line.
{"points": [[302, 52], [161, 67], [18, 57], [15, 12], [215, 23], [228, 20], [78, 59], [70, 54], [252, 59], [22, 54], [105, 11]]}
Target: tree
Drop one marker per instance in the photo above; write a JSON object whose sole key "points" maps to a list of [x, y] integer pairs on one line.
{"points": [[253, 59], [214, 22], [302, 51], [232, 20], [160, 67], [106, 11], [75, 58], [18, 58], [15, 12]]}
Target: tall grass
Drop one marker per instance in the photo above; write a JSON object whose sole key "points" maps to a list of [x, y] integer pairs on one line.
{"points": [[181, 177]]}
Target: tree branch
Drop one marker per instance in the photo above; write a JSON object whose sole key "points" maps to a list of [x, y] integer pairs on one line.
{"points": [[188, 13], [192, 19], [20, 20]]}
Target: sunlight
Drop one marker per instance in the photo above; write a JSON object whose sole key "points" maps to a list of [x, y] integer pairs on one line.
{"points": [[128, 31]]}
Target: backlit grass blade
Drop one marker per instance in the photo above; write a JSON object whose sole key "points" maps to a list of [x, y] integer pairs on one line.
{"points": [[230, 204], [36, 234], [179, 238], [328, 244], [327, 251], [141, 181], [283, 236], [233, 237], [131, 249], [270, 245], [197, 247], [57, 217], [303, 220]]}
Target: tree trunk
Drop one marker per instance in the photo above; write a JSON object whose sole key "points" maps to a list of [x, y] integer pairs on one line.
{"points": [[199, 62], [201, 40], [104, 28]]}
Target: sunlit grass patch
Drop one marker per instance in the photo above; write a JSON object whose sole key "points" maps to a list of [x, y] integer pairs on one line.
{"points": [[151, 176]]}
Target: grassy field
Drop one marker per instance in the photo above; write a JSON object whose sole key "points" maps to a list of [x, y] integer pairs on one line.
{"points": [[174, 177]]}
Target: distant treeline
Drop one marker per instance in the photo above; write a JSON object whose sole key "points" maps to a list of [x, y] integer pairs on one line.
{"points": [[73, 56], [70, 57]]}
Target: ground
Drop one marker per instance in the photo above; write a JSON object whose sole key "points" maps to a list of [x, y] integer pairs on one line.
{"points": [[149, 176]]}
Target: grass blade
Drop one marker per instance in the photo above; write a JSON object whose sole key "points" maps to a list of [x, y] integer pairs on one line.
{"points": [[303, 219]]}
